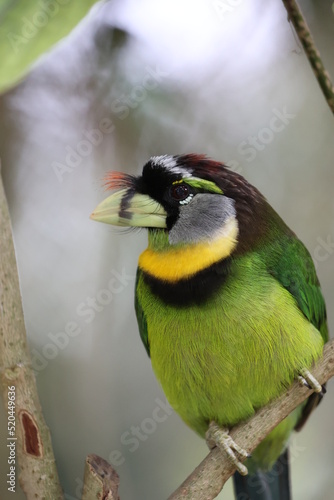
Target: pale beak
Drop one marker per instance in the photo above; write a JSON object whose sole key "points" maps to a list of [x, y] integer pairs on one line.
{"points": [[126, 209]]}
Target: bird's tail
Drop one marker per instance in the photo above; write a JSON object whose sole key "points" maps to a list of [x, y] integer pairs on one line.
{"points": [[271, 485]]}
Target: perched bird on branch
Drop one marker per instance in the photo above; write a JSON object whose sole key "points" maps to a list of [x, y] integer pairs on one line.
{"points": [[228, 304]]}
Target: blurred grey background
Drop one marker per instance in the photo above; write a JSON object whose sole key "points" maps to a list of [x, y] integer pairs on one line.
{"points": [[135, 79]]}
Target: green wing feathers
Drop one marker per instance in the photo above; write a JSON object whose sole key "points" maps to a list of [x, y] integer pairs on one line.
{"points": [[295, 270]]}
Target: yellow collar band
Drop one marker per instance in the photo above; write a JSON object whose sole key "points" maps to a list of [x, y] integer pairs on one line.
{"points": [[174, 264]]}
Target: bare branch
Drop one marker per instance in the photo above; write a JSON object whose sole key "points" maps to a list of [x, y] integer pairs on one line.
{"points": [[208, 479], [313, 55], [100, 480], [28, 435]]}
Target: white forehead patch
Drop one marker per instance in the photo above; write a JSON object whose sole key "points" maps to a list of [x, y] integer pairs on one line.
{"points": [[169, 163]]}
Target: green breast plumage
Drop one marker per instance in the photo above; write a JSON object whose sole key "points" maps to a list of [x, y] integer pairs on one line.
{"points": [[223, 358]]}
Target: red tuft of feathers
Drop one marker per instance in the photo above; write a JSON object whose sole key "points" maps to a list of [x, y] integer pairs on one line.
{"points": [[118, 180]]}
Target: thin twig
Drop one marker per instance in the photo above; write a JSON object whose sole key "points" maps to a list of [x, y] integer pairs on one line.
{"points": [[208, 479], [28, 435], [314, 57]]}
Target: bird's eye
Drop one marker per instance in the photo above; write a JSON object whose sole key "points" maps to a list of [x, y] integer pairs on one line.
{"points": [[179, 192]]}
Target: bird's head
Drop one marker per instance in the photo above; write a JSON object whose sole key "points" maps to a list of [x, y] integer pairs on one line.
{"points": [[190, 198]]}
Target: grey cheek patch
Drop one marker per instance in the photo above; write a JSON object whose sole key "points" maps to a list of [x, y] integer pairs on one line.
{"points": [[202, 218]]}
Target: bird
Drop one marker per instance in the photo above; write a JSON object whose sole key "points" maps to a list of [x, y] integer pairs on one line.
{"points": [[228, 304]]}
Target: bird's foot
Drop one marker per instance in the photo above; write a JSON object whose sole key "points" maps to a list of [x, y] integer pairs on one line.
{"points": [[219, 436], [306, 378]]}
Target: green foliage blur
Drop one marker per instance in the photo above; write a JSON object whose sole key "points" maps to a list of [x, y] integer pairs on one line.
{"points": [[30, 28]]}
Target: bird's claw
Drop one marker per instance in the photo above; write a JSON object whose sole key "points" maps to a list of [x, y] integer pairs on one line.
{"points": [[306, 378], [218, 436]]}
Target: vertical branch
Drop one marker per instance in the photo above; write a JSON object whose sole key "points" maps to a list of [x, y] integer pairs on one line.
{"points": [[305, 37], [28, 437]]}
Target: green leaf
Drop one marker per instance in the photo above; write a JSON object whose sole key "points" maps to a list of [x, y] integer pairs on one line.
{"points": [[28, 28]]}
